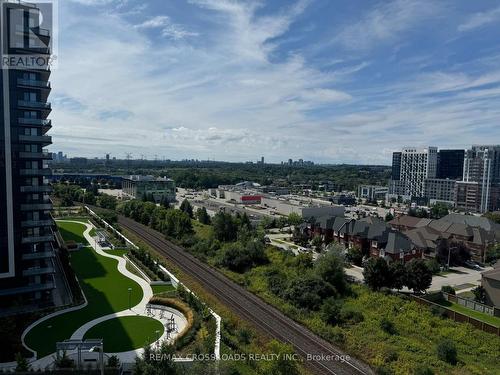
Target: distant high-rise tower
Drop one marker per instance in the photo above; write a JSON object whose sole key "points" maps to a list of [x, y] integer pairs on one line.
{"points": [[26, 236], [482, 165], [411, 167], [450, 164]]}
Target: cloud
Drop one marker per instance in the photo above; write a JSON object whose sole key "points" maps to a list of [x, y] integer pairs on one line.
{"points": [[237, 92], [169, 29], [386, 22], [480, 19]]}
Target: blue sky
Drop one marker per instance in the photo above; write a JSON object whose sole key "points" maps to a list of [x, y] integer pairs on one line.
{"points": [[324, 80]]}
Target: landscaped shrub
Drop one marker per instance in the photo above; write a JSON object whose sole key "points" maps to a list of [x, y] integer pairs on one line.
{"points": [[448, 289], [447, 351]]}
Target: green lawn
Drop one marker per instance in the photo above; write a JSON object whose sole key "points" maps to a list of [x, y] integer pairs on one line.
{"points": [[72, 232], [105, 288], [126, 333], [162, 288], [493, 320]]}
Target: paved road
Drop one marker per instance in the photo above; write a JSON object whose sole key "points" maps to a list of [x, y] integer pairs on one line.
{"points": [[264, 317]]}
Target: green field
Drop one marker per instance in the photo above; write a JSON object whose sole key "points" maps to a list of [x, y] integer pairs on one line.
{"points": [[162, 288], [126, 333], [72, 232], [104, 287], [493, 320]]}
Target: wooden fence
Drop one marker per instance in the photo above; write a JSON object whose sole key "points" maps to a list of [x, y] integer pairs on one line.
{"points": [[459, 317]]}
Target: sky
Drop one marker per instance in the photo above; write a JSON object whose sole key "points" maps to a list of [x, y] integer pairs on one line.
{"points": [[330, 81]]}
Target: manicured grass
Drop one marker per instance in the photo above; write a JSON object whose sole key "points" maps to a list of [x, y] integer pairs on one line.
{"points": [[493, 320], [162, 288], [105, 288], [126, 333], [72, 232]]}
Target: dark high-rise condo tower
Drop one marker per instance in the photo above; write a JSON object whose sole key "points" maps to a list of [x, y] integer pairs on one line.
{"points": [[26, 236], [451, 164]]}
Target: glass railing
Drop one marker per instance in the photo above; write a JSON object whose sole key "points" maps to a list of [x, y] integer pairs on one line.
{"points": [[35, 172], [36, 223], [35, 239], [33, 83], [35, 155], [38, 271], [36, 189], [34, 121], [33, 104], [38, 255], [36, 206], [35, 138]]}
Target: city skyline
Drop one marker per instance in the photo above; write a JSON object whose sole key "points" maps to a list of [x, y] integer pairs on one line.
{"points": [[309, 79]]}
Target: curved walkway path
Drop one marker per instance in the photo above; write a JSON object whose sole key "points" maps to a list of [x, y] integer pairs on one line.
{"points": [[139, 309]]}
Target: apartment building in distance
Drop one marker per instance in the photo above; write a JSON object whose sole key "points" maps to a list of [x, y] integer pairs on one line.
{"points": [[411, 167], [27, 256], [482, 166]]}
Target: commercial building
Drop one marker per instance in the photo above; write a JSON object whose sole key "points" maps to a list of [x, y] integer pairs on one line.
{"points": [[439, 190], [160, 188], [26, 227], [372, 192], [415, 165], [482, 165], [287, 206]]}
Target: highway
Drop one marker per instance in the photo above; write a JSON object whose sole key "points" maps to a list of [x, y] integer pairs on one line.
{"points": [[264, 317]]}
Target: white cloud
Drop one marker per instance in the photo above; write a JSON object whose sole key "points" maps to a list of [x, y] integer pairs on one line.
{"points": [[480, 19], [169, 29], [385, 23]]}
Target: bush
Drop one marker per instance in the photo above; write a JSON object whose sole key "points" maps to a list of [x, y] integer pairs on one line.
{"points": [[433, 266], [447, 352], [448, 289], [388, 326], [351, 315], [423, 370]]}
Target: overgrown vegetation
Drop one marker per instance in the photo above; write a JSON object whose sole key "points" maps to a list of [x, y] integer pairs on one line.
{"points": [[391, 333]]}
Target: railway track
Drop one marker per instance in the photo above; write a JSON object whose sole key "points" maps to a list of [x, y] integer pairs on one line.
{"points": [[320, 356]]}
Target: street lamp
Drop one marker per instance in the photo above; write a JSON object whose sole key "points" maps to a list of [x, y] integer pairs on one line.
{"points": [[157, 338], [129, 298]]}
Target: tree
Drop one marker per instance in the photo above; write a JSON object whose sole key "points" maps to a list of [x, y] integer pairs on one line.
{"points": [[294, 219], [22, 364], [330, 311], [282, 365], [156, 361], [308, 292], [376, 273], [419, 276], [317, 243], [330, 267], [397, 275], [388, 326], [439, 210], [107, 201], [113, 361], [389, 217], [202, 215], [479, 294], [224, 227], [493, 216], [354, 255], [447, 351], [186, 207], [448, 289]]}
